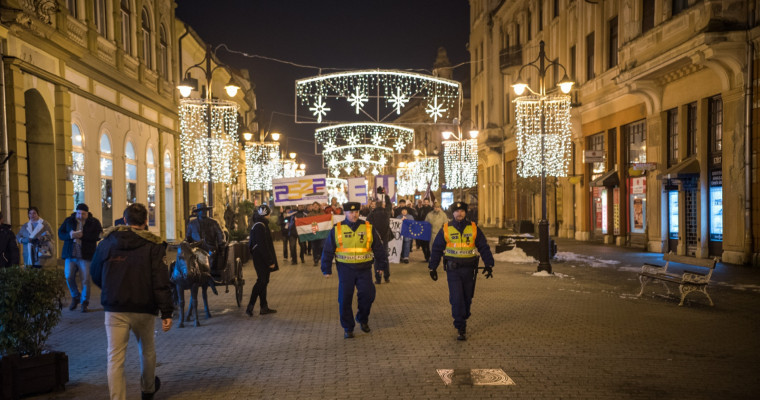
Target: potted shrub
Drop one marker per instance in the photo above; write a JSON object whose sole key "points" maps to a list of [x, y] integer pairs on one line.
{"points": [[30, 307]]}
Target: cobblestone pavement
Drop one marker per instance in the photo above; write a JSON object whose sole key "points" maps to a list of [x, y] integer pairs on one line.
{"points": [[582, 334]]}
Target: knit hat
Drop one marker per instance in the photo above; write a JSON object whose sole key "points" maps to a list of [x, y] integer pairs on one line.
{"points": [[82, 207]]}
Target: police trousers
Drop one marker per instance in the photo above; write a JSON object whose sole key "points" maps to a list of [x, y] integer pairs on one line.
{"points": [[461, 290], [348, 278]]}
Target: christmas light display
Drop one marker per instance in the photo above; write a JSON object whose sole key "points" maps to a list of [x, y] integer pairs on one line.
{"points": [[376, 94], [262, 163], [405, 180], [337, 188], [425, 171], [202, 155], [362, 147], [460, 163], [557, 135]]}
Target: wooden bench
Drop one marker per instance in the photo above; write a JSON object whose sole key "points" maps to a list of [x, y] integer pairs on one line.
{"points": [[688, 282]]}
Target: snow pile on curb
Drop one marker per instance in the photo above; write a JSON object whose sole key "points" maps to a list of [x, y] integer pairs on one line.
{"points": [[566, 256], [516, 255], [544, 274]]}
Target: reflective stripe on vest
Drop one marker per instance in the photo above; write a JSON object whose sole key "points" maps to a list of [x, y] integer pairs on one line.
{"points": [[354, 247], [460, 245]]}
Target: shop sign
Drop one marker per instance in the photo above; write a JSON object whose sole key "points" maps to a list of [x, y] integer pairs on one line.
{"points": [[638, 185], [716, 177], [592, 156], [649, 166]]}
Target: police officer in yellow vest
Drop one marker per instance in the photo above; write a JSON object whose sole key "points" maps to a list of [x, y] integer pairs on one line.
{"points": [[355, 245], [457, 243]]}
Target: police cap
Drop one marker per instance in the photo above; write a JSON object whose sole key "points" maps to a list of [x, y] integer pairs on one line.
{"points": [[459, 206], [351, 206]]}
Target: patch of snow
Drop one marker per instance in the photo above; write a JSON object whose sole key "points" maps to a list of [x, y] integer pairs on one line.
{"points": [[630, 269], [516, 255], [565, 256], [544, 274], [741, 286]]}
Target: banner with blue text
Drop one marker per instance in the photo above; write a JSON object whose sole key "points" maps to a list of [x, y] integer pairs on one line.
{"points": [[300, 190]]}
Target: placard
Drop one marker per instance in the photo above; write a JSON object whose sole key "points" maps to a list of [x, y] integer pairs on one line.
{"points": [[396, 242], [300, 190], [389, 183], [357, 190], [592, 156]]}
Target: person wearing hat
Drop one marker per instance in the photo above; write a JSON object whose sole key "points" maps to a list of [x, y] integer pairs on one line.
{"points": [[380, 218], [457, 243], [354, 245], [80, 233], [264, 259], [207, 230], [386, 199]]}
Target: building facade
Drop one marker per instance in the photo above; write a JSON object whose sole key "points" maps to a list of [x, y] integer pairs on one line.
{"points": [[664, 131]]}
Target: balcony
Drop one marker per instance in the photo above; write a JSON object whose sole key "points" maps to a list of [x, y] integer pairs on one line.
{"points": [[510, 57]]}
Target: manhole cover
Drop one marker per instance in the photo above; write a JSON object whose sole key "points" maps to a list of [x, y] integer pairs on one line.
{"points": [[475, 377]]}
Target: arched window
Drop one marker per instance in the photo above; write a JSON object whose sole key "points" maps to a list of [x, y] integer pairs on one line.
{"points": [[131, 173], [101, 23], [77, 160], [106, 181], [126, 29], [147, 50], [151, 188], [169, 196], [163, 53]]}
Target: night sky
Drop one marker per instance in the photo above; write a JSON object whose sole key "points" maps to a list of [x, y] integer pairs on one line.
{"points": [[329, 34]]}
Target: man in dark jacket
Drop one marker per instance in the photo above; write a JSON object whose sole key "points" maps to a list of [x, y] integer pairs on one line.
{"points": [[300, 212], [80, 233], [8, 248], [380, 219], [129, 267], [422, 211], [264, 259]]}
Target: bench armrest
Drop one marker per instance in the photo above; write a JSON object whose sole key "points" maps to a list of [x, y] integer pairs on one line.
{"points": [[653, 269]]}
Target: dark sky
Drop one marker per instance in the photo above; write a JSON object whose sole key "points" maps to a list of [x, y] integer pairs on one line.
{"points": [[343, 34]]}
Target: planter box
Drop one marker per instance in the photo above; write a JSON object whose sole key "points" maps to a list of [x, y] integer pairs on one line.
{"points": [[20, 376]]}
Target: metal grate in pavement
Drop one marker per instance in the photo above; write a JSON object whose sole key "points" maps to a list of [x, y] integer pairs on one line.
{"points": [[475, 377]]}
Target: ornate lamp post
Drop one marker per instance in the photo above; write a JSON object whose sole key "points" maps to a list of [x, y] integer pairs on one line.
{"points": [[557, 139]]}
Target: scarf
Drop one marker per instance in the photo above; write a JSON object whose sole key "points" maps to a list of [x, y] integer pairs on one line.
{"points": [[34, 231]]}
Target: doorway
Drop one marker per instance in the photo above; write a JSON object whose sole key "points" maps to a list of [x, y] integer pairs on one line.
{"points": [[40, 156]]}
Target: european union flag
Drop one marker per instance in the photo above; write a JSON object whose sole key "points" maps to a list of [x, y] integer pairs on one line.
{"points": [[416, 229]]}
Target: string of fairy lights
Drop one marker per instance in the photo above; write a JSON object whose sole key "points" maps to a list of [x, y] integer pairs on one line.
{"points": [[202, 155], [557, 135], [460, 163], [262, 162]]}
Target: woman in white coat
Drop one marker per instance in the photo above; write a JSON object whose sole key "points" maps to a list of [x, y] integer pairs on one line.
{"points": [[37, 237]]}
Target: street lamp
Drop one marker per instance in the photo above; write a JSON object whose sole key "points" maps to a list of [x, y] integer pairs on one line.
{"points": [[460, 156], [559, 108]]}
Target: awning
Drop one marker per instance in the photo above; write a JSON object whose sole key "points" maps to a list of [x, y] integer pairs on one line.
{"points": [[689, 166], [608, 179]]}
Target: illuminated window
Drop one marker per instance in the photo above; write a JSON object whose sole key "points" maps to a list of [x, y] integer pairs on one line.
{"points": [[77, 159], [131, 174], [106, 181], [151, 179]]}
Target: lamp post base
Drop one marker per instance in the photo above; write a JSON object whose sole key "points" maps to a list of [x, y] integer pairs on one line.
{"points": [[543, 238]]}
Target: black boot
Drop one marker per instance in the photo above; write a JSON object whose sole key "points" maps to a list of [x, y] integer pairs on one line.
{"points": [[462, 334], [249, 310]]}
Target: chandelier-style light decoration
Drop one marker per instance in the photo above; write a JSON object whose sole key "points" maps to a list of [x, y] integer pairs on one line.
{"points": [[337, 188], [262, 163], [425, 171], [289, 169], [460, 163], [557, 135], [360, 147], [203, 155], [405, 180], [375, 95]]}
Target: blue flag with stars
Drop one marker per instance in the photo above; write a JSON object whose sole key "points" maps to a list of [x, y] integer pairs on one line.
{"points": [[416, 229]]}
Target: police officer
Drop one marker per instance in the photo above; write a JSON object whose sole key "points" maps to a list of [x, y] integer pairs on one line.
{"points": [[353, 245], [457, 242]]}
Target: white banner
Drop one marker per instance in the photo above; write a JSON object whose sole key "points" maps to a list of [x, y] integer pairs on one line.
{"points": [[396, 242], [299, 190], [357, 190]]}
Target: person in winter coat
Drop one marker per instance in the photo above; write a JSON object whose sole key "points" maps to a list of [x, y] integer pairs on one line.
{"points": [[437, 218], [37, 238], [129, 267], [80, 233], [300, 212], [8, 247], [380, 219], [407, 242], [264, 259]]}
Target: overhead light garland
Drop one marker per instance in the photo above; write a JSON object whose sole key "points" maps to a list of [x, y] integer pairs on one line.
{"points": [[460, 163], [262, 162], [337, 188], [377, 94], [202, 155], [405, 180], [557, 137], [425, 171]]}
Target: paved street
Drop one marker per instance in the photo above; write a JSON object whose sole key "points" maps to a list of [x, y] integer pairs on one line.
{"points": [[579, 335]]}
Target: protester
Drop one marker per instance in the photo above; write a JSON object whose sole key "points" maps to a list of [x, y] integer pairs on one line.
{"points": [[8, 247], [129, 266], [437, 218], [264, 259], [407, 241], [80, 233], [380, 219], [37, 238], [317, 244], [289, 235], [300, 212], [334, 208], [422, 211]]}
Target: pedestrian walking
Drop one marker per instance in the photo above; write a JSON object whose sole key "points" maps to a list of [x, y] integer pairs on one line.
{"points": [[436, 218], [457, 243], [317, 244], [80, 233], [290, 236], [264, 259], [380, 219], [37, 238], [406, 247], [353, 245], [422, 212], [8, 247], [293, 233], [129, 266]]}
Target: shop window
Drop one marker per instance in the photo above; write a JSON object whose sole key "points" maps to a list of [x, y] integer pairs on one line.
{"points": [[716, 213], [673, 215], [637, 142], [590, 57], [596, 142], [77, 159], [106, 182], [672, 132], [169, 196]]}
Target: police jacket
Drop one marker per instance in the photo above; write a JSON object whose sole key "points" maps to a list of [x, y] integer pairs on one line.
{"points": [[91, 230], [129, 267], [260, 244], [439, 245], [331, 244], [8, 247]]}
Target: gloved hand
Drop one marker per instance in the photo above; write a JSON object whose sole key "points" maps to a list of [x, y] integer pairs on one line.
{"points": [[434, 274], [488, 272]]}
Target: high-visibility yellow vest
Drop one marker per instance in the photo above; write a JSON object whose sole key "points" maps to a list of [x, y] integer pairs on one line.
{"points": [[354, 247], [460, 245]]}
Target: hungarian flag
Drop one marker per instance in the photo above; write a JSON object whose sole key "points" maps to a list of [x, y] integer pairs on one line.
{"points": [[313, 228]]}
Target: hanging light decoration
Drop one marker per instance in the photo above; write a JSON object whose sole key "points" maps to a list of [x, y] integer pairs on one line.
{"points": [[203, 155], [406, 180], [375, 94], [425, 172], [557, 137], [460, 163], [262, 163], [337, 188]]}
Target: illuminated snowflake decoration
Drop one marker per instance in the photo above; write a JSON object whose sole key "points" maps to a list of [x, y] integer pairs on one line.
{"points": [[399, 100], [435, 110], [358, 99], [352, 140], [319, 109], [399, 145], [366, 157]]}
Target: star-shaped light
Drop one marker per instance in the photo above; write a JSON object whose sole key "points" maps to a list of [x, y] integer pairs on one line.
{"points": [[362, 169], [377, 140], [366, 157], [382, 160], [399, 100], [357, 99], [375, 171], [349, 157], [352, 140], [399, 145], [319, 109], [348, 169], [435, 110]]}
